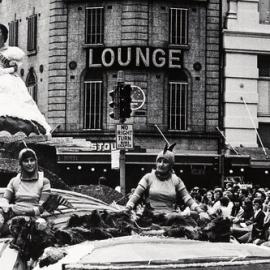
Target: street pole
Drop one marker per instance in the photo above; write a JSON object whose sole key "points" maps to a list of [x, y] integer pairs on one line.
{"points": [[122, 161], [222, 166], [123, 171]]}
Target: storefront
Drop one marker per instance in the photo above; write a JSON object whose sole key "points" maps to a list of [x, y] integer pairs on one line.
{"points": [[85, 165]]}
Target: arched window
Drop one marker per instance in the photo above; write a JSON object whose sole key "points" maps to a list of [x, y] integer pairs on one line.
{"points": [[92, 100], [177, 101], [31, 83]]}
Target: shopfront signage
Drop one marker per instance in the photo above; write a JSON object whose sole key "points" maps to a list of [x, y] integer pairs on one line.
{"points": [[124, 136], [102, 146], [135, 57]]}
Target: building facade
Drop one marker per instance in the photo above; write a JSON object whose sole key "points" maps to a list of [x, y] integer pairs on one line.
{"points": [[169, 49], [246, 46], [29, 29]]}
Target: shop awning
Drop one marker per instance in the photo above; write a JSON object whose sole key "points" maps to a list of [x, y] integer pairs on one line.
{"points": [[259, 157], [133, 158], [73, 157], [238, 160]]}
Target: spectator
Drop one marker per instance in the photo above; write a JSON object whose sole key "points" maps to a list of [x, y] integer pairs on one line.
{"points": [[243, 193], [257, 224], [208, 198], [266, 201], [264, 237], [259, 194], [224, 207], [217, 194], [237, 208]]}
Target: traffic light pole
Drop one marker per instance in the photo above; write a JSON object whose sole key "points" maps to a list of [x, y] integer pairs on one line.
{"points": [[122, 161], [122, 165], [121, 104]]}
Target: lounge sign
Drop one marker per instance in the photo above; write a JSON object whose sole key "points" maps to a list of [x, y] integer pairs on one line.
{"points": [[134, 57]]}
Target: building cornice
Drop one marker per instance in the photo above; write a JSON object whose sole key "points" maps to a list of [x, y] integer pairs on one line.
{"points": [[246, 51], [232, 33], [79, 1]]}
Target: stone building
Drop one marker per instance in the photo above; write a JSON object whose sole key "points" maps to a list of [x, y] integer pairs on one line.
{"points": [[169, 50]]}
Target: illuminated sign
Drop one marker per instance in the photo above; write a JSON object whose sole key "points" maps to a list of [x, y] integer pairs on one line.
{"points": [[135, 57]]}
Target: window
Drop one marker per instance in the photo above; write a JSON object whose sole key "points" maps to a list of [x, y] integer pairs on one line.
{"points": [[32, 33], [31, 83], [177, 106], [93, 105], [264, 85], [264, 65], [264, 11], [13, 33], [178, 26], [94, 25]]}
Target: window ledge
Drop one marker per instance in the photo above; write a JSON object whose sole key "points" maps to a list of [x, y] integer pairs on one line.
{"points": [[31, 53], [92, 45], [264, 78], [178, 131], [264, 118], [184, 47]]}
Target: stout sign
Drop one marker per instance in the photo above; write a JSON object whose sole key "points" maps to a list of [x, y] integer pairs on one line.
{"points": [[134, 57]]}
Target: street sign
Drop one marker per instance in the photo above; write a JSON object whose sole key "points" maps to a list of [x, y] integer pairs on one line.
{"points": [[124, 136], [137, 98]]}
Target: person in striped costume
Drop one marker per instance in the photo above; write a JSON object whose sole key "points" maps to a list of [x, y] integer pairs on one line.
{"points": [[26, 192], [163, 187]]}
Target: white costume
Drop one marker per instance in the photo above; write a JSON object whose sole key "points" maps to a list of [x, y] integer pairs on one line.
{"points": [[16, 104]]}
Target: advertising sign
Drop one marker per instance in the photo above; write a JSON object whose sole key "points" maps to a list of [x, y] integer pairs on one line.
{"points": [[135, 57], [137, 98]]}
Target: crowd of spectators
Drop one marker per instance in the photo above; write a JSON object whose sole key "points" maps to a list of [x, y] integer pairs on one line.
{"points": [[247, 206]]}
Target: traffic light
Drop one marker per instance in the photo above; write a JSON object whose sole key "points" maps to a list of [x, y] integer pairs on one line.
{"points": [[125, 101], [114, 103]]}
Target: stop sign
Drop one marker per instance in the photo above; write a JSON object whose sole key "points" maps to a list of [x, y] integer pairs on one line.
{"points": [[137, 97]]}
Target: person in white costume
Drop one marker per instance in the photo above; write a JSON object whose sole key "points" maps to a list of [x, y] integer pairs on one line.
{"points": [[17, 108]]}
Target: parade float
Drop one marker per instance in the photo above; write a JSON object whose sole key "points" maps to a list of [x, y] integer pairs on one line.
{"points": [[82, 232]]}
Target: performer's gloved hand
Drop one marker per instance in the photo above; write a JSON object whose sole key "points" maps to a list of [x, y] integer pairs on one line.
{"points": [[14, 65], [128, 208], [204, 215]]}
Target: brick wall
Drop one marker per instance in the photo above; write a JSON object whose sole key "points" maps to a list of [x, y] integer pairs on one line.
{"points": [[212, 65], [57, 77]]}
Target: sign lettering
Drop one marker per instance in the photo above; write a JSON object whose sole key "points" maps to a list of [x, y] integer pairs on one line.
{"points": [[124, 136], [135, 57]]}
